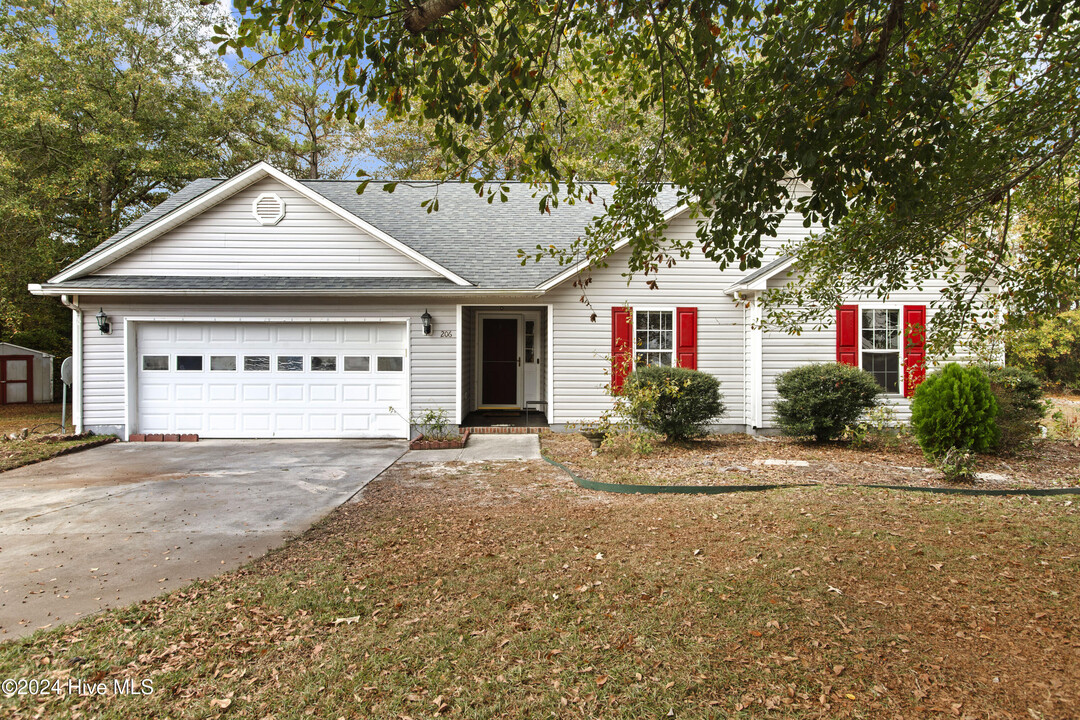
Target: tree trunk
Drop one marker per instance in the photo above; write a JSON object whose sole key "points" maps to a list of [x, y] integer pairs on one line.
{"points": [[420, 16]]}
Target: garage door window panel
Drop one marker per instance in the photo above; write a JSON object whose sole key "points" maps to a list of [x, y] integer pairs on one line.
{"points": [[290, 363], [390, 363], [222, 363], [256, 363], [357, 363], [155, 363], [189, 363], [323, 363]]}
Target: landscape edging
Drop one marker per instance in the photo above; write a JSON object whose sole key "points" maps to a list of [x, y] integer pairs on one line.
{"points": [[624, 489]]}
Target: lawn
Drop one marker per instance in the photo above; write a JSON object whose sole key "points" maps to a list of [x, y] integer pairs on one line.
{"points": [[44, 441], [14, 418], [495, 591]]}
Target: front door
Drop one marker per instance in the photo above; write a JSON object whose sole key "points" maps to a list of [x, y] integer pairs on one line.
{"points": [[500, 361], [16, 379]]}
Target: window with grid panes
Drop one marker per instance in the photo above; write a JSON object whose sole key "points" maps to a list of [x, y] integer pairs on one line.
{"points": [[654, 337], [880, 341]]}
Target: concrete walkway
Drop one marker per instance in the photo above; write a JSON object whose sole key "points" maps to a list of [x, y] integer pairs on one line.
{"points": [[125, 522], [482, 447]]}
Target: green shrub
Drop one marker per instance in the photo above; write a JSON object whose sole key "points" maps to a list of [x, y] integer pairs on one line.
{"points": [[820, 400], [1021, 406], [1050, 348], [954, 408], [675, 402]]}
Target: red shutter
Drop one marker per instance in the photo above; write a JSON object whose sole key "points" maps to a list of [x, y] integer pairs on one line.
{"points": [[847, 335], [686, 334], [914, 347], [622, 328]]}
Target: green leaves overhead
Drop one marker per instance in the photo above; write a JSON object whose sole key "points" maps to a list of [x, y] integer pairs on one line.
{"points": [[904, 128]]}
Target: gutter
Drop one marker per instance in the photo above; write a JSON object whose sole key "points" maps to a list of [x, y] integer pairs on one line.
{"points": [[64, 290], [76, 357]]}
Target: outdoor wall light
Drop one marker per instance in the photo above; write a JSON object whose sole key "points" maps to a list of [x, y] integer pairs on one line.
{"points": [[426, 320], [103, 322]]}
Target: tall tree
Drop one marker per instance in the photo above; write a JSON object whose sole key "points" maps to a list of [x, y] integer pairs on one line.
{"points": [[311, 141], [906, 128], [109, 105]]}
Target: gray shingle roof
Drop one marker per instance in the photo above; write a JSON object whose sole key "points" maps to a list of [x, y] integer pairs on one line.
{"points": [[470, 237], [227, 283], [184, 195], [763, 271]]}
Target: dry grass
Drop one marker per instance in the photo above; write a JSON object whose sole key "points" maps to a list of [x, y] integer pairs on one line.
{"points": [[44, 421], [14, 418], [503, 591], [739, 460]]}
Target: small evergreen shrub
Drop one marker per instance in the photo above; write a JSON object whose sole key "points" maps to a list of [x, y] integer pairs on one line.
{"points": [[954, 408], [1021, 406], [674, 402], [820, 400]]}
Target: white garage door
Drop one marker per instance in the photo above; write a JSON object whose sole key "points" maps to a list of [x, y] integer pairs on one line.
{"points": [[264, 380]]}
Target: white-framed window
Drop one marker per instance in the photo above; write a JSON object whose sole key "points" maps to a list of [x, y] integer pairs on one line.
{"points": [[390, 363], [290, 363], [256, 363], [222, 363], [357, 363], [155, 363], [189, 363], [880, 332], [654, 337], [323, 363]]}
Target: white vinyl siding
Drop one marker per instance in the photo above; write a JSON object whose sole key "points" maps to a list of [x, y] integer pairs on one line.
{"points": [[582, 348], [228, 240], [782, 352]]}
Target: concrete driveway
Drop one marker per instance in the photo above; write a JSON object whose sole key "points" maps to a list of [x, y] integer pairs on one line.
{"points": [[127, 521]]}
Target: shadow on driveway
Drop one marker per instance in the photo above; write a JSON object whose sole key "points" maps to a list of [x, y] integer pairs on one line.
{"points": [[128, 521]]}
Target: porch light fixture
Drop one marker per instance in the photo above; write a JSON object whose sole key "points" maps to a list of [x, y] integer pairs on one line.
{"points": [[103, 322], [426, 320]]}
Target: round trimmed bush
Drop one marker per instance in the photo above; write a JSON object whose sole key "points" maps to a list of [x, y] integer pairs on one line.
{"points": [[819, 400], [955, 408], [677, 402], [1021, 405]]}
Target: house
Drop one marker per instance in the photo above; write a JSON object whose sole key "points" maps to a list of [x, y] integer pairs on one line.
{"points": [[26, 376], [265, 306]]}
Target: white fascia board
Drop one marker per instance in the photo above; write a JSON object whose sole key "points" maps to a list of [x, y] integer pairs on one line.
{"points": [[225, 190], [73, 289], [761, 283], [577, 267]]}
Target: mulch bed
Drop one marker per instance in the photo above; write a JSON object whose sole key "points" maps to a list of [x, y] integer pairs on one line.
{"points": [[740, 460]]}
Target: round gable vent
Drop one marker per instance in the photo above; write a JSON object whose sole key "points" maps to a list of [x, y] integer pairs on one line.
{"points": [[268, 208]]}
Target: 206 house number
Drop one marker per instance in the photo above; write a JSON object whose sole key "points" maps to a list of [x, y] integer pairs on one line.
{"points": [[446, 333]]}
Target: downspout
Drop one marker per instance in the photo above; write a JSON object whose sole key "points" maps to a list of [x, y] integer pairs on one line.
{"points": [[77, 360]]}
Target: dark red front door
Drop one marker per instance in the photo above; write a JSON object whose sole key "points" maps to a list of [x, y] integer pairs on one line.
{"points": [[499, 361], [16, 379]]}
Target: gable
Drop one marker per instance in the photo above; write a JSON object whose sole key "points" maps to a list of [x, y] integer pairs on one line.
{"points": [[228, 240]]}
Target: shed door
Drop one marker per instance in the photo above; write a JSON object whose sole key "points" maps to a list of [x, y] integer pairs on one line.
{"points": [[16, 378], [272, 380]]}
